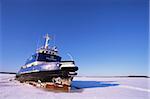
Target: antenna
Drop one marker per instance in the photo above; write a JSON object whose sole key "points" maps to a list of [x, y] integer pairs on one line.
{"points": [[37, 45], [46, 41], [54, 40], [70, 56]]}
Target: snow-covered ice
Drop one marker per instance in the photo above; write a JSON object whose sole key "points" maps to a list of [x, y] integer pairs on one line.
{"points": [[83, 88]]}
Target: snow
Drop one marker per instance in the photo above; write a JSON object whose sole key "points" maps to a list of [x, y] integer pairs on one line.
{"points": [[83, 88]]}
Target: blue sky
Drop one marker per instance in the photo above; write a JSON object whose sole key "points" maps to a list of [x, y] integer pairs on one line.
{"points": [[105, 37]]}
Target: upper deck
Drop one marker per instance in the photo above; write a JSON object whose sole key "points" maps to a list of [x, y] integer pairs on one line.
{"points": [[45, 53], [43, 57]]}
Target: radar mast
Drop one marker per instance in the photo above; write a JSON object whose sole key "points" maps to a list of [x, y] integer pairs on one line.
{"points": [[47, 38]]}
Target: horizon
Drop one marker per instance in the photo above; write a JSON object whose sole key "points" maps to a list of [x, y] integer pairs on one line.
{"points": [[91, 75], [106, 37]]}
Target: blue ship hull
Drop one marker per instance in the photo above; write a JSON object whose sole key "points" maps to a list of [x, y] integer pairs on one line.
{"points": [[35, 73], [44, 76], [36, 68]]}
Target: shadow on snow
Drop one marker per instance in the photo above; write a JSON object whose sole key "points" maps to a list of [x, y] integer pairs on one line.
{"points": [[92, 84]]}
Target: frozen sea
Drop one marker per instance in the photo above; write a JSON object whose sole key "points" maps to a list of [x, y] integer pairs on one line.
{"points": [[83, 88]]}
